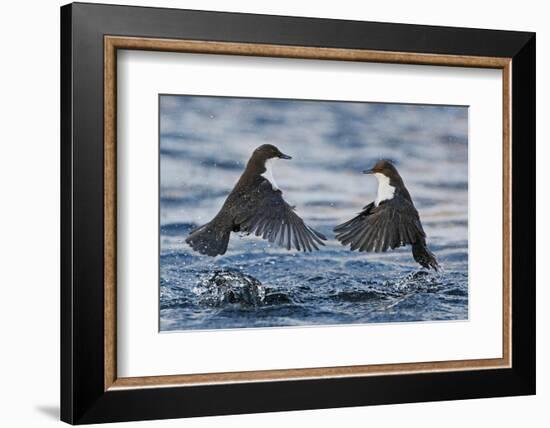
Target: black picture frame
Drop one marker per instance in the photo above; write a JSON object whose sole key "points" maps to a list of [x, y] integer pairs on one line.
{"points": [[83, 398]]}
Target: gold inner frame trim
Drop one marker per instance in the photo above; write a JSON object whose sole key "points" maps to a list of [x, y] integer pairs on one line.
{"points": [[113, 43]]}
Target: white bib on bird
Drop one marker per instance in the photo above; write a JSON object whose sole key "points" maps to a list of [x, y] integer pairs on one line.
{"points": [[385, 190], [268, 174]]}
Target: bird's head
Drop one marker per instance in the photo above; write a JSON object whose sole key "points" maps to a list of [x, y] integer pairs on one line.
{"points": [[383, 167], [269, 151]]}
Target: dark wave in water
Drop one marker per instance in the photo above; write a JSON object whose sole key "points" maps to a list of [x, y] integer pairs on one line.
{"points": [[229, 297], [204, 145], [227, 287]]}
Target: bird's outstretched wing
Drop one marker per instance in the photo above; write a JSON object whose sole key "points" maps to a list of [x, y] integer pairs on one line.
{"points": [[265, 213], [391, 224]]}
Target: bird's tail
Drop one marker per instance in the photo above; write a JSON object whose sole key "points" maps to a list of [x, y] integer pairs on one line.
{"points": [[424, 256], [210, 239]]}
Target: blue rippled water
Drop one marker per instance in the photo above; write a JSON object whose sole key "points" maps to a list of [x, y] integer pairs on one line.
{"points": [[204, 145]]}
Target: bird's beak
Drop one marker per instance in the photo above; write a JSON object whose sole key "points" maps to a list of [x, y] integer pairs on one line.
{"points": [[283, 156], [368, 171]]}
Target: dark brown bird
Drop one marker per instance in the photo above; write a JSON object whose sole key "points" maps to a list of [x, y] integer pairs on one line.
{"points": [[256, 205], [390, 221]]}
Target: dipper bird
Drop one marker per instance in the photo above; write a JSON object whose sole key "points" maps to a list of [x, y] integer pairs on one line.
{"points": [[390, 221], [256, 205]]}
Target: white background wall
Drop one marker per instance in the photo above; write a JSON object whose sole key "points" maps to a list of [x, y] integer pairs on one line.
{"points": [[29, 214]]}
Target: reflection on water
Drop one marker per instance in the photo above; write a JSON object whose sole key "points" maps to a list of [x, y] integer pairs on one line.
{"points": [[205, 142]]}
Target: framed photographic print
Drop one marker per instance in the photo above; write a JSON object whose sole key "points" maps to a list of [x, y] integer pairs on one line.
{"points": [[265, 213]]}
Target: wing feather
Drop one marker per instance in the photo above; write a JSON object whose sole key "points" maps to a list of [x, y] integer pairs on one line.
{"points": [[268, 215], [288, 236], [391, 224]]}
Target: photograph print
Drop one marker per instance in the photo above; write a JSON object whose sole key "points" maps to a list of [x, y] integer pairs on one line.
{"points": [[293, 213]]}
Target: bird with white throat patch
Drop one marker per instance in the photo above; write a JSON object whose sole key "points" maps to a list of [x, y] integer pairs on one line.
{"points": [[256, 206], [390, 221]]}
